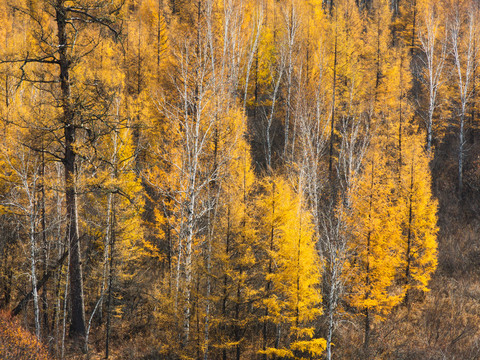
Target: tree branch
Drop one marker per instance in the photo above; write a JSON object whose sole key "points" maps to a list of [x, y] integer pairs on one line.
{"points": [[21, 305]]}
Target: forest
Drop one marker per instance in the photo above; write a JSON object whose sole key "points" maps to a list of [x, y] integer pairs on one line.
{"points": [[239, 179]]}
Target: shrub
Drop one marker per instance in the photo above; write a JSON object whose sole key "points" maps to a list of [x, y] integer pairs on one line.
{"points": [[17, 343]]}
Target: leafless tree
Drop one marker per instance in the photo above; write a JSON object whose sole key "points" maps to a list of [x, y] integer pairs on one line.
{"points": [[434, 49], [26, 169], [463, 37]]}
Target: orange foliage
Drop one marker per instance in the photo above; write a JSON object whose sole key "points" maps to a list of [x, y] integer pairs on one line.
{"points": [[16, 343]]}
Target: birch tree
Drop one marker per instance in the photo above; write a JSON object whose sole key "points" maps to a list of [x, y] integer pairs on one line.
{"points": [[433, 45], [463, 34], [23, 167]]}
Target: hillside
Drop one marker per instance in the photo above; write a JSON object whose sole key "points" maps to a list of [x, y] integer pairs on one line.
{"points": [[241, 179]]}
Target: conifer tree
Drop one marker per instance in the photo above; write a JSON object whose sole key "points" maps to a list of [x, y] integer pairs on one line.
{"points": [[374, 243], [418, 219], [290, 293]]}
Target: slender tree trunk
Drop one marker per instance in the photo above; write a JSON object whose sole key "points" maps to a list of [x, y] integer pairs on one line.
{"points": [[366, 344], [225, 282], [400, 122], [210, 238], [253, 56], [332, 122], [270, 271], [110, 284], [159, 33], [44, 297], [188, 265], [106, 253], [414, 27], [474, 93], [196, 306], [409, 239], [464, 78], [33, 274], [65, 307], [58, 273], [291, 42], [237, 318], [268, 130], [332, 303], [461, 141]]}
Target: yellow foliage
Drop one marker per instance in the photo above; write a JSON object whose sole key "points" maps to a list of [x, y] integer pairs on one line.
{"points": [[418, 212], [314, 348], [281, 353], [374, 238], [292, 278]]}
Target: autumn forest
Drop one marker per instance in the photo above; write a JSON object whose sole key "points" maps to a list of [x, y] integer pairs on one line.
{"points": [[239, 179]]}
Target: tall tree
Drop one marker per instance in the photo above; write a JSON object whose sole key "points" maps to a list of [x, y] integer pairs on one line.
{"points": [[24, 173], [433, 44], [418, 219], [62, 34], [290, 292], [463, 34], [375, 235]]}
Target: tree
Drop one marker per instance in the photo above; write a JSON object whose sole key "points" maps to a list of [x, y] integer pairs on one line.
{"points": [[464, 55], [234, 255], [24, 176], [418, 219], [63, 34], [196, 141], [374, 237], [434, 48], [290, 292]]}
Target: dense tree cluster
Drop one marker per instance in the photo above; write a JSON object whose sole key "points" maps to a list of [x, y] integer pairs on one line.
{"points": [[233, 179]]}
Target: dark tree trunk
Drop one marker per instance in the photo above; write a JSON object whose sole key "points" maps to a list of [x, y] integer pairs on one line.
{"points": [[366, 343], [409, 239], [77, 326], [237, 319], [110, 283]]}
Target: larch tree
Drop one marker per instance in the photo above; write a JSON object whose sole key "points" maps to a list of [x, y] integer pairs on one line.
{"points": [[418, 219], [235, 257], [374, 233], [145, 63], [356, 137], [269, 73], [290, 291], [124, 243], [291, 16], [348, 110]]}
